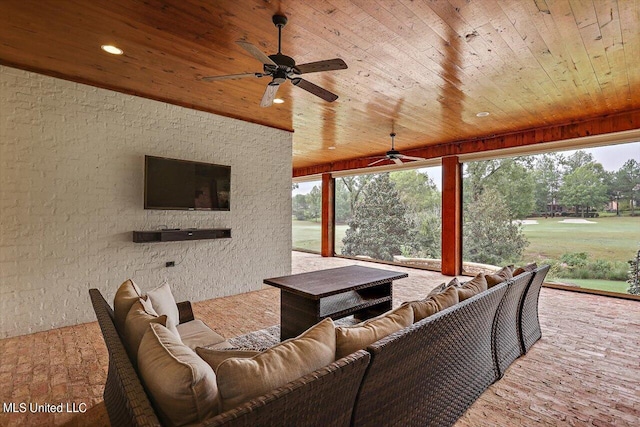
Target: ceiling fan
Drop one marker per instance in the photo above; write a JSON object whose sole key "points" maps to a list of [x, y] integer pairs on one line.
{"points": [[394, 155], [282, 68]]}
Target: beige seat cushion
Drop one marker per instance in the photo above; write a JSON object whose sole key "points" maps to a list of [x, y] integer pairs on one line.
{"points": [[215, 356], [240, 380], [136, 325], [164, 303], [353, 338], [182, 386], [197, 334], [434, 303], [502, 275], [472, 287], [126, 295], [526, 269]]}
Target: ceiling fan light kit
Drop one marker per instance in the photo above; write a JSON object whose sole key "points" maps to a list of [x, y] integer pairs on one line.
{"points": [[281, 68]]}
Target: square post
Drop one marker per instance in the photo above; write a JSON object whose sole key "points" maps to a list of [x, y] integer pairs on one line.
{"points": [[327, 248], [451, 216]]}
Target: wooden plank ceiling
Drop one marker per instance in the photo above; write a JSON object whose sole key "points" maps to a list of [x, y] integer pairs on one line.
{"points": [[421, 68]]}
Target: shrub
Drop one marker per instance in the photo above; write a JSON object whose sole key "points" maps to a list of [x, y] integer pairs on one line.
{"points": [[575, 259]]}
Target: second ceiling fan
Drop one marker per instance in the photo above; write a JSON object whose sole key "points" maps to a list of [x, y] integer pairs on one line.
{"points": [[282, 68], [394, 155]]}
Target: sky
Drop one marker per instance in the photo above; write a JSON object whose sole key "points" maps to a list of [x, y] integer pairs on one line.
{"points": [[612, 157]]}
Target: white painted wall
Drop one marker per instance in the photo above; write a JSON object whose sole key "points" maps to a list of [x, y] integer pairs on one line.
{"points": [[71, 193]]}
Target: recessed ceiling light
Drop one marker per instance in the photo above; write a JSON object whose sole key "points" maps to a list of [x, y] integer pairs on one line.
{"points": [[111, 49], [482, 114], [331, 147], [278, 101]]}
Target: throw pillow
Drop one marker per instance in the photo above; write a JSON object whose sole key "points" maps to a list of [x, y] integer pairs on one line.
{"points": [[182, 386], [164, 303], [350, 339], [136, 325], [441, 287], [214, 357], [502, 275], [526, 269], [240, 380], [472, 287], [146, 305], [127, 294], [434, 303]]}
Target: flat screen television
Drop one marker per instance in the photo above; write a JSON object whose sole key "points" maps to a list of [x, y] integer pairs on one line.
{"points": [[185, 185]]}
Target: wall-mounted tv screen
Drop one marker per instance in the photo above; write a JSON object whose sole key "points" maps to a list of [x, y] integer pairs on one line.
{"points": [[185, 185]]}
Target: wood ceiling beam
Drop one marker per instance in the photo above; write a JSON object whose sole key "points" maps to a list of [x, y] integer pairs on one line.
{"points": [[612, 123]]}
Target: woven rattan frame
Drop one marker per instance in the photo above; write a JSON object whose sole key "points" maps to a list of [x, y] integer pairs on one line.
{"points": [[506, 333], [429, 373], [529, 323], [125, 399], [322, 398]]}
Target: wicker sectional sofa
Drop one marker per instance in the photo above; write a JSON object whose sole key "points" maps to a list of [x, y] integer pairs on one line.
{"points": [[426, 374]]}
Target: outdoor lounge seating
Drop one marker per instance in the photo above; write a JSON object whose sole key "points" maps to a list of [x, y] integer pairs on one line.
{"points": [[428, 373]]}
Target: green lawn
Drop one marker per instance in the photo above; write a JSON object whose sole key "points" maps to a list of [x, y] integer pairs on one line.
{"points": [[610, 238], [613, 238], [306, 235]]}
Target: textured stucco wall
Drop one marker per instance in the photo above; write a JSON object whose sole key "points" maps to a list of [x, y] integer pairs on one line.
{"points": [[71, 193]]}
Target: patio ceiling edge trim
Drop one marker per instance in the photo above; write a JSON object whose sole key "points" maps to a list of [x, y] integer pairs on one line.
{"points": [[572, 132]]}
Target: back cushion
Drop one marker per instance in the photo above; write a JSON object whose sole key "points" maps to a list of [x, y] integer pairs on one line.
{"points": [[127, 294], [164, 303], [502, 275], [472, 287], [182, 386], [434, 303], [526, 269], [136, 325], [441, 287], [241, 379], [350, 339]]}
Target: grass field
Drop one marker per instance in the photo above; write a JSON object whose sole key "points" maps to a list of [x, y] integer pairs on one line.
{"points": [[610, 238]]}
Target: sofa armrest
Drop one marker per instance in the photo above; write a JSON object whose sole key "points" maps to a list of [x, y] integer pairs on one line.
{"points": [[185, 311]]}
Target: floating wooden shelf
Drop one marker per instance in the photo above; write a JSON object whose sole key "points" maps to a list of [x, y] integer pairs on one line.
{"points": [[181, 235]]}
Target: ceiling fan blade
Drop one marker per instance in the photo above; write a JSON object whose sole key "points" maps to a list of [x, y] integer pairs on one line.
{"points": [[377, 161], [269, 95], [402, 156], [315, 89], [255, 52], [397, 161], [327, 65], [230, 77]]}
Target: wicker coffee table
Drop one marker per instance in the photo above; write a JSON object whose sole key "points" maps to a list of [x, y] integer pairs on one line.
{"points": [[307, 298]]}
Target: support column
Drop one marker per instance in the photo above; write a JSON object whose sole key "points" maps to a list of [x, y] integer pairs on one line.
{"points": [[328, 215], [451, 216]]}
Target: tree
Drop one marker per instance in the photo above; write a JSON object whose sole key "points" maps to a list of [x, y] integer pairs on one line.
{"points": [[576, 160], [489, 235], [300, 207], [548, 178], [314, 204], [634, 275], [348, 190], [584, 187], [423, 199], [512, 178], [379, 227], [627, 182]]}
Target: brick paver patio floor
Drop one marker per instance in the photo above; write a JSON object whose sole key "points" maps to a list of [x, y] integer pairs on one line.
{"points": [[585, 371]]}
